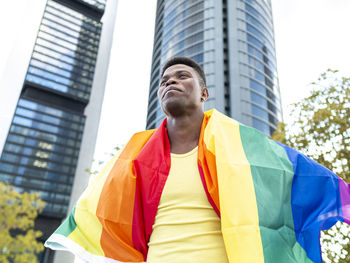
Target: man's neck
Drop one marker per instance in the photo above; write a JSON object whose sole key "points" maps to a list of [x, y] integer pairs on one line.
{"points": [[184, 132]]}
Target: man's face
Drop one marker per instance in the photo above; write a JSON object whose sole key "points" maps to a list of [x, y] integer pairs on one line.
{"points": [[180, 90]]}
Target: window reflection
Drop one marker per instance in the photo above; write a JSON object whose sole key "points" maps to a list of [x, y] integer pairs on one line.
{"points": [[257, 87], [52, 61], [74, 61], [68, 76], [54, 85], [46, 118], [43, 135], [262, 126], [50, 68], [53, 111], [261, 46], [42, 126], [259, 112], [257, 15], [46, 83], [260, 36], [258, 99]]}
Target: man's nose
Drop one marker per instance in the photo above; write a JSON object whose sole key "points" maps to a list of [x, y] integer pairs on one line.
{"points": [[170, 81]]}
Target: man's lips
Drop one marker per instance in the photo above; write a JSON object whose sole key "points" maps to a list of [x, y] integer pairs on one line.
{"points": [[170, 89]]}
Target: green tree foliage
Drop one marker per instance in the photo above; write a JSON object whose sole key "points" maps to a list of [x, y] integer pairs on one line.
{"points": [[320, 128], [18, 239]]}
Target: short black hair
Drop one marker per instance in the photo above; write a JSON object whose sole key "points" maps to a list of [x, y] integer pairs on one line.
{"points": [[188, 62]]}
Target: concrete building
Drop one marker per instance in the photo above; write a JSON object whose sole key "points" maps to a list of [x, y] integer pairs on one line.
{"points": [[52, 93], [234, 42]]}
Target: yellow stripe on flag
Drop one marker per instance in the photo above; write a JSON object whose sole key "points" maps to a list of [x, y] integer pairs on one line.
{"points": [[238, 207], [85, 213]]}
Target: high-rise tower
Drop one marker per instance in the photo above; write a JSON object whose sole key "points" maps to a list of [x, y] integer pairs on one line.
{"points": [[234, 42], [56, 105]]}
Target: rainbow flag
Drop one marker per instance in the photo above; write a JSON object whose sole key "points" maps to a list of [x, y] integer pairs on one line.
{"points": [[273, 201]]}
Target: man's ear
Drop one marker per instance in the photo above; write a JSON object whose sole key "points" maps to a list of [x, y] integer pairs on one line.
{"points": [[204, 94]]}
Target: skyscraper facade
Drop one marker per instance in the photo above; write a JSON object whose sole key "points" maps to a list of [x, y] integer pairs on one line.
{"points": [[233, 40], [50, 139]]}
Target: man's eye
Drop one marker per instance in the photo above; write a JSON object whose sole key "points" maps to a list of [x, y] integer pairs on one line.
{"points": [[182, 76]]}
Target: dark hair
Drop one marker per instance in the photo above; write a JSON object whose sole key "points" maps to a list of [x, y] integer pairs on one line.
{"points": [[188, 62]]}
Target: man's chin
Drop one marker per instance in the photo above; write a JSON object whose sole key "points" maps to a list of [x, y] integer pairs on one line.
{"points": [[174, 107], [179, 108]]}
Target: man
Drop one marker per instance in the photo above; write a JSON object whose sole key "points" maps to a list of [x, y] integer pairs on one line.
{"points": [[203, 188], [186, 227]]}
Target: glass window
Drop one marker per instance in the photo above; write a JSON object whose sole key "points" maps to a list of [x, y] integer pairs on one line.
{"points": [[53, 111], [62, 22], [22, 121], [261, 126], [258, 99], [255, 52], [52, 24], [50, 68], [46, 79], [256, 14], [6, 178], [57, 40], [61, 14], [15, 138], [10, 157], [256, 23], [66, 41], [5, 167], [12, 148], [264, 11], [273, 120], [52, 61], [257, 87], [46, 83], [48, 75], [260, 36], [198, 58], [194, 49], [272, 107], [46, 118], [256, 74], [259, 112], [54, 54], [65, 9], [255, 63], [57, 48], [44, 127]]}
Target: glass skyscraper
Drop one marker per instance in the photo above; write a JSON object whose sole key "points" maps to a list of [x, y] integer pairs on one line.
{"points": [[233, 40], [45, 137]]}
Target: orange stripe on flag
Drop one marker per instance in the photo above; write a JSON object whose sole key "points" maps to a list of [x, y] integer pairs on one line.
{"points": [[207, 162], [115, 211]]}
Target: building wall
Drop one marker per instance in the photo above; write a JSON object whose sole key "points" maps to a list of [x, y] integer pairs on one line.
{"points": [[233, 40]]}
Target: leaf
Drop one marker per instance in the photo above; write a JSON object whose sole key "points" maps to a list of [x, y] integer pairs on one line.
{"points": [[18, 239]]}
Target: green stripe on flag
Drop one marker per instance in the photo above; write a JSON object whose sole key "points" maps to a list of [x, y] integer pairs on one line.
{"points": [[68, 225], [272, 174]]}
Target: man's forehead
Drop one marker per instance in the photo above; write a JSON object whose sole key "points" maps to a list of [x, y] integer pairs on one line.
{"points": [[178, 67]]}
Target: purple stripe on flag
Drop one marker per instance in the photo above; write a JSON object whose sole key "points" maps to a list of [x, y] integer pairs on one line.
{"points": [[344, 190]]}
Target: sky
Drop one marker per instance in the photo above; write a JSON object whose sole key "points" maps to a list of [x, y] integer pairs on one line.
{"points": [[311, 36]]}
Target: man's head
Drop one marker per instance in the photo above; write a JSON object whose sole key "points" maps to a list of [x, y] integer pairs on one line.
{"points": [[182, 87], [189, 62]]}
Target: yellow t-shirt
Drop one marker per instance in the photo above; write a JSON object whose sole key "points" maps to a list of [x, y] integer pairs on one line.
{"points": [[186, 227]]}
